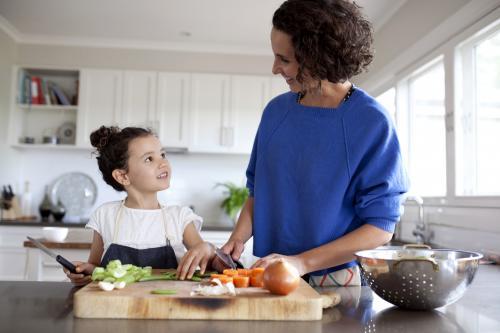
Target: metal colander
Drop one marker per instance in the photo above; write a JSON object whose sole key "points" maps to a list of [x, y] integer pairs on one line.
{"points": [[416, 278]]}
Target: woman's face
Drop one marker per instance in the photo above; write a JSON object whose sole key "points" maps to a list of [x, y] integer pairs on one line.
{"points": [[285, 63]]}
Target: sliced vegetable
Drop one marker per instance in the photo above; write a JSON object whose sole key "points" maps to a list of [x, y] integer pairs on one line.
{"points": [[256, 277], [230, 272], [106, 286], [240, 281], [163, 292]]}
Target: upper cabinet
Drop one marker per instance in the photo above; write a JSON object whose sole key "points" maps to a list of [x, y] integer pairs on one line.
{"points": [[44, 108], [226, 111], [172, 109], [101, 102], [208, 113]]}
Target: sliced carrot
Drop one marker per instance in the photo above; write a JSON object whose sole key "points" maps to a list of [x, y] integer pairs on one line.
{"points": [[257, 271], [241, 281], [216, 276], [230, 272], [244, 271], [256, 278], [224, 279]]}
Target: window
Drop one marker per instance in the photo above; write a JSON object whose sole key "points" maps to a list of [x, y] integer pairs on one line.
{"points": [[478, 117], [388, 101], [426, 131]]}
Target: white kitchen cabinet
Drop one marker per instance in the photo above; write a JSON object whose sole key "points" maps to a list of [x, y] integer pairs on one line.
{"points": [[249, 96], [139, 99], [209, 112], [12, 252], [100, 101], [172, 109], [136, 98], [225, 111]]}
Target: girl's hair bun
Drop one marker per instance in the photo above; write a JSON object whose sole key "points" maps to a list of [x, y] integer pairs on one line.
{"points": [[101, 137]]}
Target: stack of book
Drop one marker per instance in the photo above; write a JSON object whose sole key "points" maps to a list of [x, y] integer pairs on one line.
{"points": [[39, 91]]}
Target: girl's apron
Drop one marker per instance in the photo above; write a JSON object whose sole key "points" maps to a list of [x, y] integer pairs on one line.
{"points": [[157, 257]]}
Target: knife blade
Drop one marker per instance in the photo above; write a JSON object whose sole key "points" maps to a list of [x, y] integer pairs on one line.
{"points": [[227, 259], [60, 259]]}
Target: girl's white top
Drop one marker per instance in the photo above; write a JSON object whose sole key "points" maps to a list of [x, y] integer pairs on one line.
{"points": [[143, 228]]}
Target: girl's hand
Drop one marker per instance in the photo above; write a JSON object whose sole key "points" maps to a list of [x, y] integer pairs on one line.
{"points": [[84, 273], [294, 260], [234, 248], [199, 255]]}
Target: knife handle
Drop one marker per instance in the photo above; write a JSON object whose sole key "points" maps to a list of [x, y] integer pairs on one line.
{"points": [[66, 264]]}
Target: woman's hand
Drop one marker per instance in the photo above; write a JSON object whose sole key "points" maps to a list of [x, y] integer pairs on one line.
{"points": [[83, 273], [234, 247], [199, 255], [296, 261]]}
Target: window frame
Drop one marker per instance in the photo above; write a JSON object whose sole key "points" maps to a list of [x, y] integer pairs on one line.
{"points": [[449, 53]]}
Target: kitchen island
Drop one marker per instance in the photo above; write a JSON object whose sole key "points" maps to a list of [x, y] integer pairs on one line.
{"points": [[48, 307]]}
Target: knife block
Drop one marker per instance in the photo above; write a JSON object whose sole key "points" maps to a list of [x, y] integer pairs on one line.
{"points": [[14, 212]]}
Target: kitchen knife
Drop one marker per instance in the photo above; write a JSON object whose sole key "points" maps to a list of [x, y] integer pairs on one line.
{"points": [[227, 259], [63, 261]]}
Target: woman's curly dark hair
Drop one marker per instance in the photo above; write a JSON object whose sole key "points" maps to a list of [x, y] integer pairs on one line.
{"points": [[111, 145], [331, 38]]}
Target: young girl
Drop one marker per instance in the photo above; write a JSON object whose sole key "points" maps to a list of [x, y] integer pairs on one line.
{"points": [[138, 230]]}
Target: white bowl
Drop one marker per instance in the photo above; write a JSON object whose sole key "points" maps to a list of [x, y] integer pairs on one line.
{"points": [[54, 234]]}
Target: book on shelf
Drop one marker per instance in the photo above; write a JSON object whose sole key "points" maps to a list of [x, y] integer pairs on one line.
{"points": [[61, 96]]}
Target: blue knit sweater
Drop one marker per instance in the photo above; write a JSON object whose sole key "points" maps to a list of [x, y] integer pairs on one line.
{"points": [[317, 174]]}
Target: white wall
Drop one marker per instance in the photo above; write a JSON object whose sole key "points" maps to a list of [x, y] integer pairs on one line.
{"points": [[9, 170], [193, 177]]}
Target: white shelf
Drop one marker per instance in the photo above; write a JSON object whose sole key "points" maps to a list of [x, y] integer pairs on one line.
{"points": [[48, 107]]}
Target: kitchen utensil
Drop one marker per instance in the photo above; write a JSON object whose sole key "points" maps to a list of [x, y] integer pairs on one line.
{"points": [[222, 261], [63, 261], [77, 192], [54, 234], [136, 301], [418, 279]]}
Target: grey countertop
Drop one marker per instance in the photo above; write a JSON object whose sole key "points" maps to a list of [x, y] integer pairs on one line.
{"points": [[47, 307]]}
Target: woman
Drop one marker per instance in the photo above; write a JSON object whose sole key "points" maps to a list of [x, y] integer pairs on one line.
{"points": [[325, 175]]}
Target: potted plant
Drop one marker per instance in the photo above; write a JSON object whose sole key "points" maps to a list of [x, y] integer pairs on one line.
{"points": [[234, 200]]}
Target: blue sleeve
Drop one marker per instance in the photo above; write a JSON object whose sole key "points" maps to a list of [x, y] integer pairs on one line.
{"points": [[378, 176], [250, 173]]}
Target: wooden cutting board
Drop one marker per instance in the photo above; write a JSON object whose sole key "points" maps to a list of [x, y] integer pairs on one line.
{"points": [[136, 301]]}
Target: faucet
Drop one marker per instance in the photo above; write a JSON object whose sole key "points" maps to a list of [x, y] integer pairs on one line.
{"points": [[421, 231]]}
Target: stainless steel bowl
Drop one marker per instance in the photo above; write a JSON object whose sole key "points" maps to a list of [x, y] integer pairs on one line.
{"points": [[416, 278]]}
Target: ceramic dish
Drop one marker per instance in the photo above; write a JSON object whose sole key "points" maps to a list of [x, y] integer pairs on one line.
{"points": [[77, 192]]}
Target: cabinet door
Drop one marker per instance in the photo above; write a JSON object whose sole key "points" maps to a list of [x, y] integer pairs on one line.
{"points": [[209, 113], [139, 93], [249, 96], [100, 102], [172, 112]]}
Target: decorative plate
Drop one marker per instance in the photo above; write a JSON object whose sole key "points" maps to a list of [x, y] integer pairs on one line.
{"points": [[76, 191], [67, 132]]}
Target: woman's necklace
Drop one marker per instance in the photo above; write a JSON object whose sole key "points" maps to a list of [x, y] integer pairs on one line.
{"points": [[301, 94]]}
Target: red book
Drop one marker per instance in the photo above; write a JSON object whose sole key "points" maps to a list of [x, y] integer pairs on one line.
{"points": [[36, 91]]}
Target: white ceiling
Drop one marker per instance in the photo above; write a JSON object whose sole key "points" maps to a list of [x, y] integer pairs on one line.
{"points": [[226, 26]]}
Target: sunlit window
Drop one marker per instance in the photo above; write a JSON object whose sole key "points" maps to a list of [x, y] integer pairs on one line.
{"points": [[388, 101], [478, 118], [427, 132]]}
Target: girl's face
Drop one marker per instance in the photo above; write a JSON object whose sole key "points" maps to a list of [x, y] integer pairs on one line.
{"points": [[284, 59], [148, 167]]}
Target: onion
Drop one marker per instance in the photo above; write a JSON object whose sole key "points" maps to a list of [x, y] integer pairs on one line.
{"points": [[281, 278]]}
